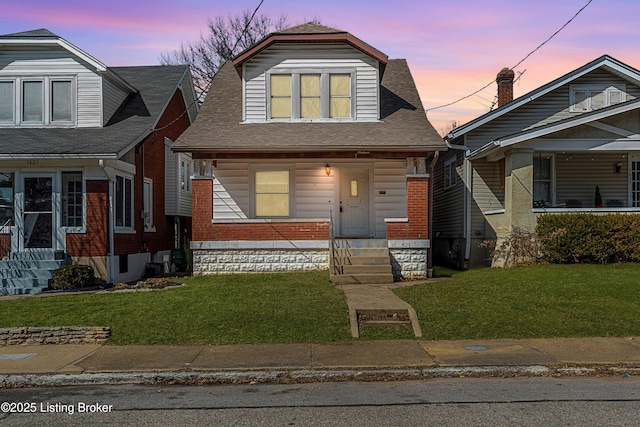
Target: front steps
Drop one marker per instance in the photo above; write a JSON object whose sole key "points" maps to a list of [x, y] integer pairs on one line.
{"points": [[29, 272], [361, 261]]}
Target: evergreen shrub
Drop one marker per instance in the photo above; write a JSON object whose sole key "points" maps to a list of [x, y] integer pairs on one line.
{"points": [[73, 277]]}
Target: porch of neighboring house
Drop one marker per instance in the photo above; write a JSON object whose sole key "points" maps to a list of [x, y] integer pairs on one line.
{"points": [[542, 182], [364, 220]]}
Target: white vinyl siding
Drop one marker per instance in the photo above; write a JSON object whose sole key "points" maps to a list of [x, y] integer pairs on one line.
{"points": [[315, 192], [177, 200], [302, 59], [60, 64]]}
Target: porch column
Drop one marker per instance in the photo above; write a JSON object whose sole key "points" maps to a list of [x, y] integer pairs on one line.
{"points": [[518, 195], [202, 208]]}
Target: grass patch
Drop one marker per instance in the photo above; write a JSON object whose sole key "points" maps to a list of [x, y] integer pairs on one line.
{"points": [[530, 302], [527, 302], [225, 309]]}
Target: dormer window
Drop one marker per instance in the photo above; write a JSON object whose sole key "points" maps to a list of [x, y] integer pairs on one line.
{"points": [[310, 96], [45, 101], [589, 98]]}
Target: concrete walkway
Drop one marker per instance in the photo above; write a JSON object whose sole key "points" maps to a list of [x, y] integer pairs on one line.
{"points": [[377, 300]]}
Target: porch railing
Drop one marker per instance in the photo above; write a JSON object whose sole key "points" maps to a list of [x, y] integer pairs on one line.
{"points": [[333, 249], [5, 244]]}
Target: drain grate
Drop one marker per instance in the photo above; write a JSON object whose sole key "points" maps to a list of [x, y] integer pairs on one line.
{"points": [[476, 347], [16, 356]]}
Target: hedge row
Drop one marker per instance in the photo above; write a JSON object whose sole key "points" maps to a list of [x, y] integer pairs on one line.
{"points": [[587, 238]]}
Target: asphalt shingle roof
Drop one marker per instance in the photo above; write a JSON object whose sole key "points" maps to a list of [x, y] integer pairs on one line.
{"points": [[135, 118], [403, 125]]}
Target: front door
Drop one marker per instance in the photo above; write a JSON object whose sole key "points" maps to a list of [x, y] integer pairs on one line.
{"points": [[37, 212], [354, 204]]}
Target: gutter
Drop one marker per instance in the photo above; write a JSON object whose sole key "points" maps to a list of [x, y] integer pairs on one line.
{"points": [[432, 166]]}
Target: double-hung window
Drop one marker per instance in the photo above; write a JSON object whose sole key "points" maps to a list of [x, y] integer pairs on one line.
{"points": [[310, 95], [72, 200], [585, 98], [450, 173], [124, 202], [542, 180], [272, 192], [147, 198], [32, 101]]}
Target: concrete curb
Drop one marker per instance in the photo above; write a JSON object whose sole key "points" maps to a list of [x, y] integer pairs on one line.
{"points": [[304, 375]]}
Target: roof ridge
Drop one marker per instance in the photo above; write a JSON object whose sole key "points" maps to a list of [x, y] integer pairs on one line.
{"points": [[38, 33], [310, 28]]}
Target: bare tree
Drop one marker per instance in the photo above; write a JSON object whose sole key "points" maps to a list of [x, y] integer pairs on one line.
{"points": [[227, 37], [444, 131]]}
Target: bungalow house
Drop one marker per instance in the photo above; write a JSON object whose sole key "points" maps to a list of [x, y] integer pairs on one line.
{"points": [[311, 143], [544, 152], [86, 173]]}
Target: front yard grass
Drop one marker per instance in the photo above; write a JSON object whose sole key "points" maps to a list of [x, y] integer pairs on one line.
{"points": [[540, 301], [526, 302]]}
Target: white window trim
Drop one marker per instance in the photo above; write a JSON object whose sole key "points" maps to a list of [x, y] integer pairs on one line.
{"points": [[46, 101], [252, 189], [185, 186], [450, 171], [589, 89], [149, 226], [324, 94], [124, 229], [83, 227]]}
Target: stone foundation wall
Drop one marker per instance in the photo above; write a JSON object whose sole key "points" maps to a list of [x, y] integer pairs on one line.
{"points": [[408, 264], [54, 335], [221, 261]]}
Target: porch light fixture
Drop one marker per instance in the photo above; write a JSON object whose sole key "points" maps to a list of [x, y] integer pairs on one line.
{"points": [[327, 169]]}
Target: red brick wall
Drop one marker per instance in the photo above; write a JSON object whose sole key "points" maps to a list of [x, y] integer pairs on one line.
{"points": [[417, 212], [153, 150], [5, 244], [95, 242], [204, 229]]}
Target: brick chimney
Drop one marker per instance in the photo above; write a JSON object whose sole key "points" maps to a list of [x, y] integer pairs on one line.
{"points": [[505, 86]]}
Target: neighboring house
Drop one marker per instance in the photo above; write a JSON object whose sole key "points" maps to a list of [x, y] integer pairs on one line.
{"points": [[308, 135], [545, 152], [86, 173]]}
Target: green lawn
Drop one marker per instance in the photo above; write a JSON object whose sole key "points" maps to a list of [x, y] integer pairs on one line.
{"points": [[531, 302], [526, 302]]}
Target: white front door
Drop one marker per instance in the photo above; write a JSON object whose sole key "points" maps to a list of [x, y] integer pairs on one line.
{"points": [[354, 204], [37, 220]]}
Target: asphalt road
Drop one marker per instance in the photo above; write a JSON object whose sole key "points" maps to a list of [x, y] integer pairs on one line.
{"points": [[457, 401]]}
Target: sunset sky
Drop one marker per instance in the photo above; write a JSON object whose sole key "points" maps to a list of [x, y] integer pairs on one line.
{"points": [[453, 47]]}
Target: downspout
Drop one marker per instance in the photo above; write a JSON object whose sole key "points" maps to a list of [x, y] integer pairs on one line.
{"points": [[111, 273], [436, 155], [467, 196]]}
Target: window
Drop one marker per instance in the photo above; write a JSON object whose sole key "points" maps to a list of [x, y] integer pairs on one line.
{"points": [[147, 196], [185, 175], [6, 102], [32, 102], [542, 180], [72, 199], [588, 98], [124, 202], [7, 191], [37, 101], [272, 193], [340, 93], [310, 96], [61, 101], [450, 173], [280, 96]]}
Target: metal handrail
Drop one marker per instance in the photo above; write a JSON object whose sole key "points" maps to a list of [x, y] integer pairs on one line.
{"points": [[5, 246], [332, 253]]}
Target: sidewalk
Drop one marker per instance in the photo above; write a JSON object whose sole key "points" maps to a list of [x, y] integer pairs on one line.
{"points": [[76, 364]]}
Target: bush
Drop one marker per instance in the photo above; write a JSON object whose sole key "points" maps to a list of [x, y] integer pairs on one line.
{"points": [[520, 247], [589, 239], [73, 277]]}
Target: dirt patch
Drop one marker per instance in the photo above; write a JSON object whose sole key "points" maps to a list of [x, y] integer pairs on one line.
{"points": [[149, 284]]}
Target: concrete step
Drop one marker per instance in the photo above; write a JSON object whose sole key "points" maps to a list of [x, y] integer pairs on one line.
{"points": [[362, 252], [13, 264], [22, 286], [366, 269], [368, 279], [37, 255], [31, 273], [360, 243], [356, 260]]}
